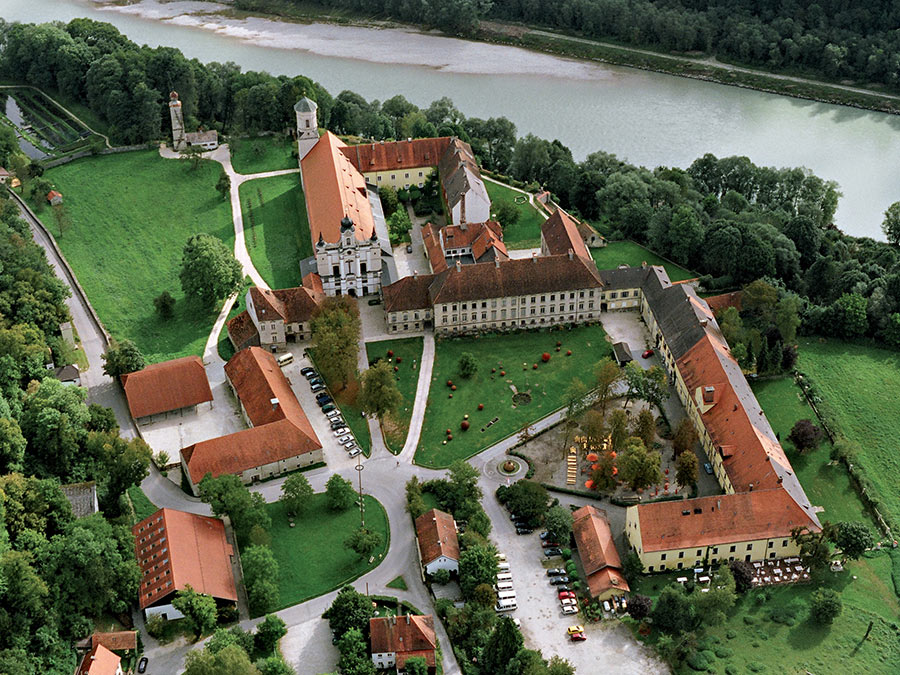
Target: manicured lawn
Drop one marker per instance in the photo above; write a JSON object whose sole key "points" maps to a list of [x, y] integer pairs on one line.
{"points": [[267, 153], [526, 232], [409, 350], [143, 507], [546, 387], [276, 229], [860, 389], [398, 583], [629, 253], [131, 215], [352, 413], [312, 557]]}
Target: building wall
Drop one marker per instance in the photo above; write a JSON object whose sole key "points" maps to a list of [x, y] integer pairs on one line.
{"points": [[384, 659], [282, 466], [442, 563], [169, 610], [359, 264], [610, 592], [408, 321], [400, 178]]}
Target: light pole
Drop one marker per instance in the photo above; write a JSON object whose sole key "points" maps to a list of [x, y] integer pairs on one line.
{"points": [[362, 508]]}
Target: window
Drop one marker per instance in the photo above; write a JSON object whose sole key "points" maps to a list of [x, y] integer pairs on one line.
{"points": [[699, 552], [552, 297], [681, 554], [771, 545], [393, 177], [663, 556], [379, 179], [406, 176], [783, 543], [307, 124], [613, 296], [732, 549], [420, 174], [680, 565], [772, 554], [650, 569], [749, 547]]}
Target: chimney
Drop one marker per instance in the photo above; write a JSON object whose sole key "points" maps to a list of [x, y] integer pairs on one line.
{"points": [[780, 480], [703, 322], [407, 619], [274, 402], [571, 254], [751, 487], [534, 257], [458, 266], [718, 503], [415, 274]]}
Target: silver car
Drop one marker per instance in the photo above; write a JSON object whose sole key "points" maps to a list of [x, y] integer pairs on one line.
{"points": [[343, 440], [354, 451]]}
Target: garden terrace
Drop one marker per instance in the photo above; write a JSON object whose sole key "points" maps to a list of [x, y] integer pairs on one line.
{"points": [[618, 253]]}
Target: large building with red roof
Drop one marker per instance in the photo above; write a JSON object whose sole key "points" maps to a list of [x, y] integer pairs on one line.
{"points": [[280, 437], [174, 550], [598, 554], [275, 317], [178, 386], [394, 640], [438, 543]]}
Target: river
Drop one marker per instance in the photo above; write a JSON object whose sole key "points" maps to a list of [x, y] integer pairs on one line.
{"points": [[647, 118]]}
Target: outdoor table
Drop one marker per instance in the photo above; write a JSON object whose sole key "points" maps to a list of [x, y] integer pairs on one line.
{"points": [[681, 580], [703, 580]]}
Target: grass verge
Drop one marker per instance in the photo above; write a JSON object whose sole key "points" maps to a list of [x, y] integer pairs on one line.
{"points": [[312, 557], [629, 253], [276, 229], [515, 355], [526, 231], [143, 507], [266, 153], [398, 583], [131, 214], [409, 350]]}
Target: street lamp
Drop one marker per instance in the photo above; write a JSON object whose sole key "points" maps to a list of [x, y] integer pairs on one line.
{"points": [[362, 509]]}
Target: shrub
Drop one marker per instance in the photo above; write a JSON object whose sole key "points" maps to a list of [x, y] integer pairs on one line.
{"points": [[749, 620], [700, 660], [155, 626], [825, 605], [724, 652], [567, 554], [441, 577]]}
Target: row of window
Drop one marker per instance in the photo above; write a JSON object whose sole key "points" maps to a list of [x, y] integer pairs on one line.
{"points": [[455, 318], [731, 549], [513, 324], [662, 567]]}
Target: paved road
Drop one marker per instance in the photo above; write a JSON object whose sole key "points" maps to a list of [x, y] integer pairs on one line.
{"points": [[426, 366]]}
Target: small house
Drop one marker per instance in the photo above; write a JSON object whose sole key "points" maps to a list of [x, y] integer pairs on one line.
{"points": [[622, 353], [54, 197], [68, 375], [394, 640], [100, 661], [438, 543]]}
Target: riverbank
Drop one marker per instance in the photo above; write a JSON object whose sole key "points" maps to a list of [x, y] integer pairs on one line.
{"points": [[705, 69]]}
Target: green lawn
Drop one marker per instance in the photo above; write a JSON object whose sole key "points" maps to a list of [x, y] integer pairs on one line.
{"points": [[629, 253], [547, 387], [352, 413], [312, 558], [131, 215], [526, 232], [276, 229], [266, 153], [399, 583], [143, 507], [409, 351], [860, 387]]}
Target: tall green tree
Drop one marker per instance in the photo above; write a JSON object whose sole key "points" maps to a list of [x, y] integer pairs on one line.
{"points": [[121, 464], [891, 224], [296, 493], [198, 609], [363, 541], [54, 423], [853, 538], [687, 469], [607, 376], [468, 365], [638, 466], [349, 610], [713, 606], [558, 522], [644, 427], [674, 612], [528, 500], [503, 645], [335, 338], [477, 565], [232, 660], [339, 493], [209, 270], [261, 572], [378, 393], [268, 633], [12, 446], [226, 495], [122, 357], [354, 659]]}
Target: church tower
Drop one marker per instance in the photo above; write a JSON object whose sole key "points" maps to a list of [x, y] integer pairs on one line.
{"points": [[307, 126], [177, 116]]}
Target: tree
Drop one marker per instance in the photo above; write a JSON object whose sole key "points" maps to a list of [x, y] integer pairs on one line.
{"points": [[441, 577], [389, 201], [275, 665], [685, 437], [607, 376], [165, 305], [632, 567], [639, 607], [558, 522], [227, 495], [198, 609], [364, 541], [416, 666], [732, 326], [505, 213], [853, 538], [415, 503], [268, 633], [528, 500], [743, 573], [484, 595], [61, 216], [891, 224], [647, 385], [354, 658], [604, 476], [378, 392], [102, 419], [261, 574], [758, 299], [618, 429], [825, 606], [121, 358], [349, 610], [687, 469], [223, 185], [296, 493], [504, 643], [12, 446], [54, 423], [639, 467], [787, 317], [335, 338], [122, 463], [674, 611], [193, 156], [399, 225], [644, 427], [850, 314], [468, 365], [339, 493], [477, 565], [232, 660], [464, 492], [713, 606], [209, 270], [814, 550], [805, 435]]}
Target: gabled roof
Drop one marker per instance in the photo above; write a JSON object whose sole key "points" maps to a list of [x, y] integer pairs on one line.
{"points": [[99, 661], [292, 305], [561, 235], [409, 154], [336, 190], [175, 549], [242, 331], [597, 551], [408, 293], [405, 636], [119, 640], [722, 519], [170, 385], [436, 534], [719, 302]]}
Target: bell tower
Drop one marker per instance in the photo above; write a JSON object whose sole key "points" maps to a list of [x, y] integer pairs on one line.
{"points": [[307, 126], [177, 116]]}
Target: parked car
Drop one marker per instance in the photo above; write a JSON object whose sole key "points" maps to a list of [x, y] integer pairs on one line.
{"points": [[375, 301], [523, 530], [567, 602], [555, 572], [647, 353], [552, 552], [346, 437], [354, 451], [306, 372], [142, 664], [556, 581], [577, 637], [317, 387], [513, 517], [315, 380], [328, 407], [549, 544], [349, 444], [545, 535], [332, 414], [322, 401], [343, 431], [563, 588], [566, 594], [569, 609], [336, 422], [577, 628], [707, 467]]}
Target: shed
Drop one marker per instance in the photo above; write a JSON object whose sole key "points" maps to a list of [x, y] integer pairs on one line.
{"points": [[55, 198], [622, 353]]}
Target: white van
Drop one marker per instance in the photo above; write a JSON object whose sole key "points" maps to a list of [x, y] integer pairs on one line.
{"points": [[503, 567], [284, 359], [504, 586], [506, 606], [506, 595], [504, 576]]}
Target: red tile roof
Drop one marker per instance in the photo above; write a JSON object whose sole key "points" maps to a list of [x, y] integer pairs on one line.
{"points": [[292, 305], [719, 302], [416, 153], [242, 331], [119, 640], [436, 534], [408, 293], [338, 190], [560, 232], [166, 386], [597, 551], [280, 430], [431, 238], [480, 237], [405, 636], [723, 519], [175, 549], [99, 661], [313, 282]]}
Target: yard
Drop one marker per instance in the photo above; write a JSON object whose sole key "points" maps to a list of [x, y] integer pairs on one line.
{"points": [[860, 385], [131, 214], [526, 232], [266, 153], [275, 228], [409, 351], [629, 253], [537, 392], [312, 557]]}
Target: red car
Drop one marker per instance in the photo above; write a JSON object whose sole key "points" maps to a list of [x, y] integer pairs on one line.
{"points": [[647, 354], [577, 637], [566, 594]]}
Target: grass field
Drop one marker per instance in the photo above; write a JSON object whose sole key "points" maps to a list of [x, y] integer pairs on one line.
{"points": [[399, 583], [526, 232], [629, 253], [276, 229], [131, 215], [266, 153], [311, 556], [409, 350], [352, 413], [860, 387], [505, 353], [143, 507]]}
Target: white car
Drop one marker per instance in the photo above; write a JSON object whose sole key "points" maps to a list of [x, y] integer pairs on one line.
{"points": [[333, 413], [354, 451], [343, 431], [349, 445], [569, 609], [606, 605], [345, 438], [568, 602]]}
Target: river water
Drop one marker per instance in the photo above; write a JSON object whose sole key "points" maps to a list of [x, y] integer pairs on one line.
{"points": [[646, 118]]}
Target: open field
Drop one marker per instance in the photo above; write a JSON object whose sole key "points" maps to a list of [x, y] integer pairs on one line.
{"points": [[526, 232], [131, 214], [860, 386], [312, 557], [409, 350], [507, 353], [629, 253], [276, 228], [266, 153]]}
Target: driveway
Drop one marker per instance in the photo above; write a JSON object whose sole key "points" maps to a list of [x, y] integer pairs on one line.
{"points": [[415, 261]]}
